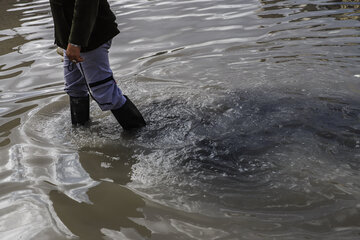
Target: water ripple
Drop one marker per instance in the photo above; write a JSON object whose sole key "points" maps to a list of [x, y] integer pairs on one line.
{"points": [[253, 124]]}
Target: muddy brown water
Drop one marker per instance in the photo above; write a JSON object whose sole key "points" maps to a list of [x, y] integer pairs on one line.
{"points": [[254, 125]]}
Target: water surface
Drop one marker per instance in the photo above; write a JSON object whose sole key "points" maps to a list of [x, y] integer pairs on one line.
{"points": [[253, 129]]}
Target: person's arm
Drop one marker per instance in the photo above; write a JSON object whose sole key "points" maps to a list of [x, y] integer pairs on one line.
{"points": [[85, 14]]}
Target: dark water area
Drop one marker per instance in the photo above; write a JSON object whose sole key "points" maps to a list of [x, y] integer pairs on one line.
{"points": [[253, 132]]}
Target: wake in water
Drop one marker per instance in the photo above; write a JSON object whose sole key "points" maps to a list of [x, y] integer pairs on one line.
{"points": [[271, 155], [253, 131]]}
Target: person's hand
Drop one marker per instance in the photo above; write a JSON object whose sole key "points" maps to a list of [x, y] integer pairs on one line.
{"points": [[73, 53]]}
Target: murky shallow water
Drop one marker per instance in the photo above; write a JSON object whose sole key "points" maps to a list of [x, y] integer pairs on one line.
{"points": [[254, 129]]}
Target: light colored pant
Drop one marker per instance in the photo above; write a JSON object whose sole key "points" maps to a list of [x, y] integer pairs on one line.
{"points": [[95, 76]]}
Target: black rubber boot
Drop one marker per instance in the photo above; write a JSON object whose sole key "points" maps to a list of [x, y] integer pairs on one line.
{"points": [[79, 107], [129, 116]]}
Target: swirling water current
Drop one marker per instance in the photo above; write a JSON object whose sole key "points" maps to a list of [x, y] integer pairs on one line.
{"points": [[253, 132]]}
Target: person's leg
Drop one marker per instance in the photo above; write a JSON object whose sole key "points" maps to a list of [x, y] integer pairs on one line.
{"points": [[75, 87], [99, 77]]}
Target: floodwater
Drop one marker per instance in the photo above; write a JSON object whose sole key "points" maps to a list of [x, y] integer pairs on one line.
{"points": [[253, 111]]}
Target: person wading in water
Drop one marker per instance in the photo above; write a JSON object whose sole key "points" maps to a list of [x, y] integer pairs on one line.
{"points": [[85, 29]]}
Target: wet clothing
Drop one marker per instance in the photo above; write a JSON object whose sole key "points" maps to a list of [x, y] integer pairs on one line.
{"points": [[94, 75], [87, 23]]}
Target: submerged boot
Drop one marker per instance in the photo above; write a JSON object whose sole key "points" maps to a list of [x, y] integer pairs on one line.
{"points": [[129, 116], [79, 107]]}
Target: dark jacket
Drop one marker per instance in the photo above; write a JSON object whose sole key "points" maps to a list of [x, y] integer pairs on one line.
{"points": [[88, 23]]}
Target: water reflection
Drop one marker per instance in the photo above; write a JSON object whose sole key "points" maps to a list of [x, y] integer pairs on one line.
{"points": [[340, 10], [10, 20], [253, 131], [113, 164], [111, 207]]}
